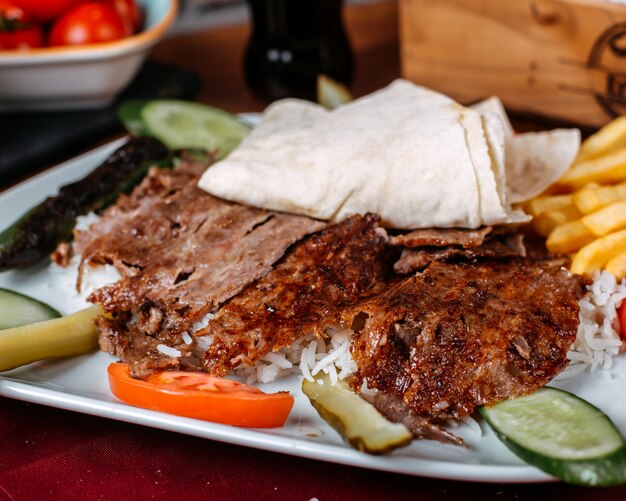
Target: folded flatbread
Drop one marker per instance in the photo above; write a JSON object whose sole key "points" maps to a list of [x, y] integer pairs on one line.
{"points": [[534, 160], [414, 156]]}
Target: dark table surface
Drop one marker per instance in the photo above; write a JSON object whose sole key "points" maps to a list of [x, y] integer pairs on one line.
{"points": [[48, 453]]}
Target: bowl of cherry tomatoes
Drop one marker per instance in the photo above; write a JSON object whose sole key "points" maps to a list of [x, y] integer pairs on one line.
{"points": [[73, 54]]}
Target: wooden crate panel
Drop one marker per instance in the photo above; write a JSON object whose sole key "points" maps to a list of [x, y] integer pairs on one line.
{"points": [[565, 59]]}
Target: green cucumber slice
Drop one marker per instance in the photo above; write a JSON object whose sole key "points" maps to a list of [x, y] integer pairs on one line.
{"points": [[182, 124], [130, 115], [356, 420], [563, 435], [17, 309]]}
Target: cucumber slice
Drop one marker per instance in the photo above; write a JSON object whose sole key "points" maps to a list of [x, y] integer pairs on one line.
{"points": [[130, 115], [563, 435], [357, 421], [17, 309], [182, 124]]}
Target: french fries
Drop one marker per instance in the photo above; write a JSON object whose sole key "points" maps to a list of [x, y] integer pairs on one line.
{"points": [[594, 256], [608, 139], [617, 266], [569, 237], [545, 222], [604, 221], [543, 204], [603, 170], [592, 199], [587, 219]]}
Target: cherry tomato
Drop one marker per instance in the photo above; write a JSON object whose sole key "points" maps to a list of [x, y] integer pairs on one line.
{"points": [[11, 13], [45, 10], [91, 22], [130, 13], [200, 396], [17, 31], [27, 38], [621, 315]]}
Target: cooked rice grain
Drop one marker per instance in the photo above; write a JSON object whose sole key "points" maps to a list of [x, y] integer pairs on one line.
{"points": [[598, 340]]}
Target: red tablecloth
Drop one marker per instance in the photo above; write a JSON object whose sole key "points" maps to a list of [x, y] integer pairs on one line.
{"points": [[49, 454]]}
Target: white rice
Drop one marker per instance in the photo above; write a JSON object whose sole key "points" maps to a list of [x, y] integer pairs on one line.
{"points": [[169, 351], [598, 339], [85, 221], [308, 356]]}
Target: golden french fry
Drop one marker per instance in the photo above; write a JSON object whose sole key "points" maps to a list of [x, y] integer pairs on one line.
{"points": [[569, 237], [545, 222], [597, 254], [540, 205], [603, 170], [609, 138], [606, 220], [617, 266], [590, 200]]}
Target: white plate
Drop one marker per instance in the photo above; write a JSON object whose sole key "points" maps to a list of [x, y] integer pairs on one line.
{"points": [[80, 384]]}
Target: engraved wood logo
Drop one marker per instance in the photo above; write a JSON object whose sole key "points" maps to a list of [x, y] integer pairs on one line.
{"points": [[608, 55]]}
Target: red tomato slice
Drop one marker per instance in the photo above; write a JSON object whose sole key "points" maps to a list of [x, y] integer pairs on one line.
{"points": [[621, 314], [91, 22], [45, 10], [200, 396]]}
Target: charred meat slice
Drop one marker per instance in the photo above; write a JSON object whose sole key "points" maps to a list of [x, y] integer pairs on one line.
{"points": [[442, 237], [181, 254], [303, 294], [458, 336], [395, 410], [412, 260]]}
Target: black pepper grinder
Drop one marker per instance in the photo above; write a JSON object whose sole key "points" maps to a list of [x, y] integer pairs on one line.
{"points": [[292, 42]]}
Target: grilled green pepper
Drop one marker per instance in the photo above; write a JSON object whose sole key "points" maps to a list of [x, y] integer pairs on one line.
{"points": [[37, 233]]}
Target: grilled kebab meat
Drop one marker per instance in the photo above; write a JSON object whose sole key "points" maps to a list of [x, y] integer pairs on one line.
{"points": [[480, 324], [457, 336], [442, 237], [303, 294], [422, 247], [181, 254]]}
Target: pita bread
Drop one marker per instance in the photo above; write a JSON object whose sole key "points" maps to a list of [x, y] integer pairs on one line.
{"points": [[414, 156], [494, 105], [534, 160]]}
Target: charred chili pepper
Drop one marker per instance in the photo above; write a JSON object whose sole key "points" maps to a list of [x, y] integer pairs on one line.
{"points": [[37, 233]]}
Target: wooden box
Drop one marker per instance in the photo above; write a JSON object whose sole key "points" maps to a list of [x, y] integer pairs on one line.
{"points": [[565, 59]]}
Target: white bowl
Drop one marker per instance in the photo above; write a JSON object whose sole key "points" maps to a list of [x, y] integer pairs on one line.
{"points": [[87, 76]]}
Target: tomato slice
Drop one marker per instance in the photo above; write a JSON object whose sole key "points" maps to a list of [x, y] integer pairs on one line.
{"points": [[200, 396], [621, 315]]}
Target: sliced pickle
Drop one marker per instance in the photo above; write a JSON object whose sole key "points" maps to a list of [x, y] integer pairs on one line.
{"points": [[59, 337], [357, 421]]}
